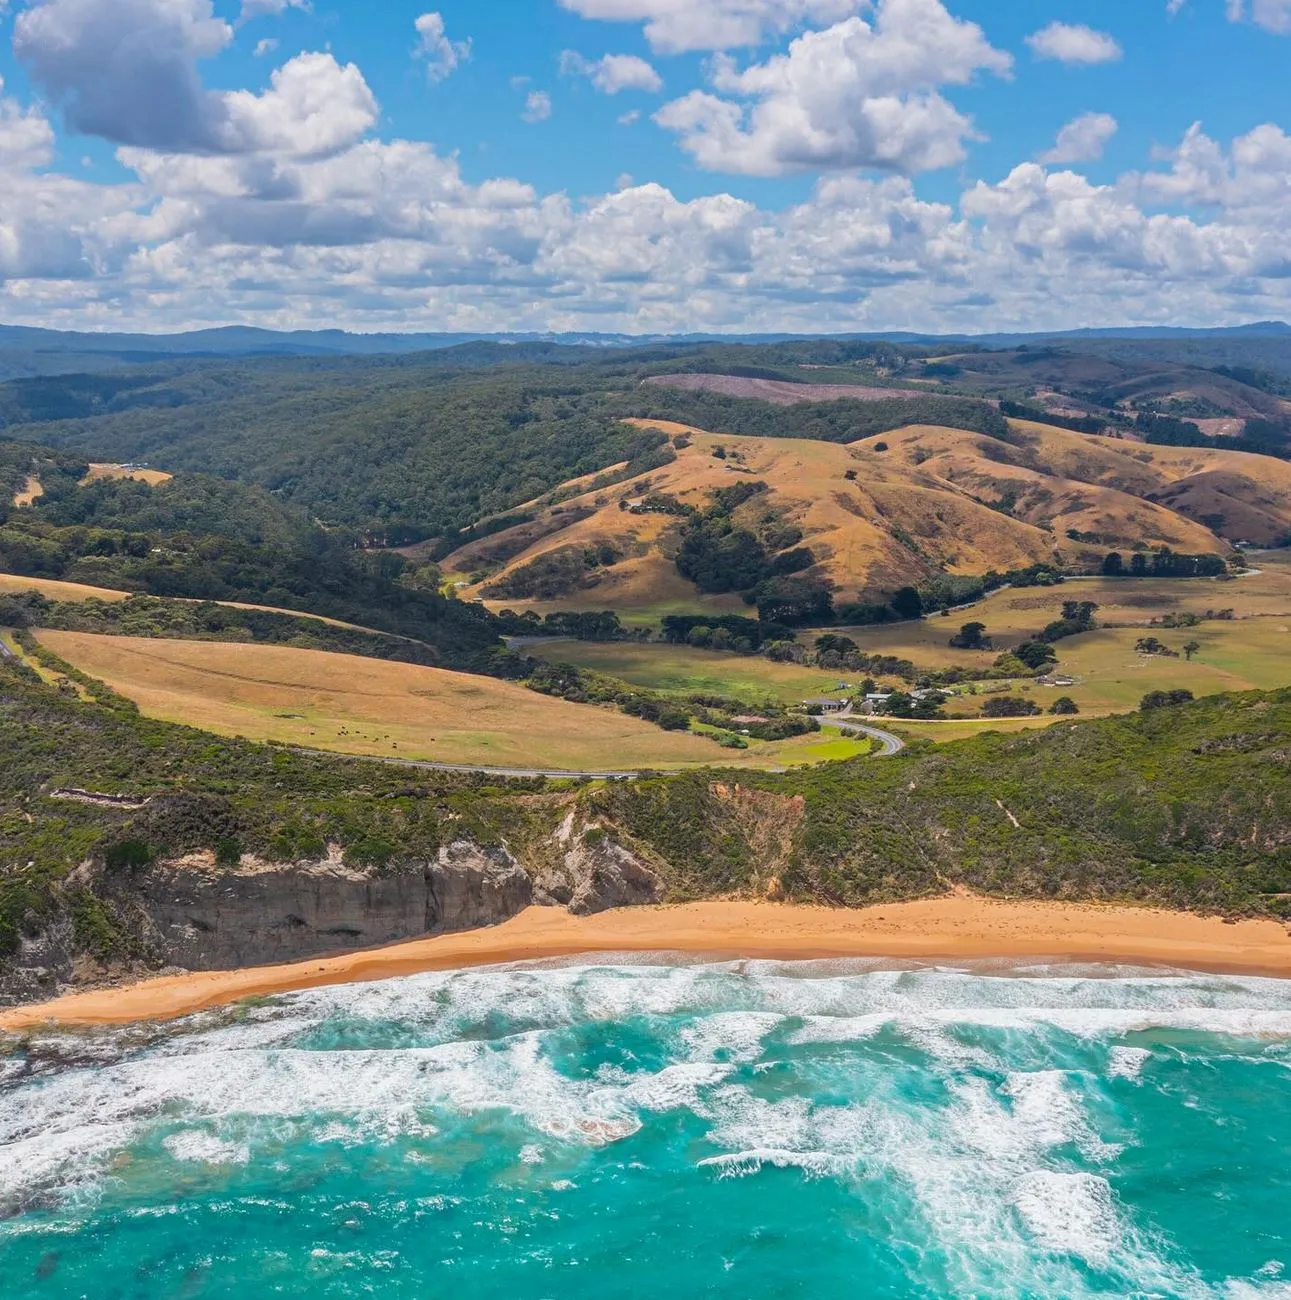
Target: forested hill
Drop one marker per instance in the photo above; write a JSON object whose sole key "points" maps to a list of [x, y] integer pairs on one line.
{"points": [[202, 538], [407, 448]]}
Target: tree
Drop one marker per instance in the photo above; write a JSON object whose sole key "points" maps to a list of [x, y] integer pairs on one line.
{"points": [[907, 603], [1190, 648], [1064, 706], [1009, 706], [1138, 565], [1037, 655], [971, 637], [1114, 565]]}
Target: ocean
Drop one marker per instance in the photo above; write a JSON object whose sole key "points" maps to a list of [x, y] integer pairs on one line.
{"points": [[636, 1128]]}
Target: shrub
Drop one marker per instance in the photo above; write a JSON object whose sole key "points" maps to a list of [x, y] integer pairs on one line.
{"points": [[1064, 706], [128, 855], [1010, 706], [1164, 700]]}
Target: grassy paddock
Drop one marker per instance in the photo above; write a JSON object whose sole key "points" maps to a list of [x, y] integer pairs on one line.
{"points": [[377, 708]]}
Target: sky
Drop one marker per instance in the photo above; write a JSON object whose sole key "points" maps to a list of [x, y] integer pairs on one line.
{"points": [[644, 166]]}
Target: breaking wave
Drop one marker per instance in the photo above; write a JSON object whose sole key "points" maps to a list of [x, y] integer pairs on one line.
{"points": [[739, 1129]]}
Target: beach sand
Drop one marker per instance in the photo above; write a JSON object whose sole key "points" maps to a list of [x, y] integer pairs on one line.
{"points": [[959, 927]]}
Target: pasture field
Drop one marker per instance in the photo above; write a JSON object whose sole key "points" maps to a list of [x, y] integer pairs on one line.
{"points": [[686, 671], [379, 709], [153, 477], [1111, 676], [12, 584]]}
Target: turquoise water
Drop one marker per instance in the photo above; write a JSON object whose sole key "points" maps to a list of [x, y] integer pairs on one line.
{"points": [[752, 1130]]}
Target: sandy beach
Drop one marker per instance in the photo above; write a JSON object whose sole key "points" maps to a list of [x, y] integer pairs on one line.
{"points": [[934, 929]]}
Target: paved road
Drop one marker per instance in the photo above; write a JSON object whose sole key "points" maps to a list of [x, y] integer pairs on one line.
{"points": [[890, 745]]}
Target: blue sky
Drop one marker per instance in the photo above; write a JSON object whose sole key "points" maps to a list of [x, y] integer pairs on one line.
{"points": [[644, 165]]}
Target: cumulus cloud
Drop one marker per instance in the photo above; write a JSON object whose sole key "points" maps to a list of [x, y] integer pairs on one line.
{"points": [[1076, 44], [26, 136], [442, 56], [310, 221], [313, 106], [537, 106], [857, 94], [676, 26], [132, 78], [613, 73], [126, 70], [1083, 139]]}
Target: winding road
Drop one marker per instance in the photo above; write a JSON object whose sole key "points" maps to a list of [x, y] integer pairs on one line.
{"points": [[889, 745]]}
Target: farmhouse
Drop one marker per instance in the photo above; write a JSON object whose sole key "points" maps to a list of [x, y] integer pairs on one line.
{"points": [[827, 704]]}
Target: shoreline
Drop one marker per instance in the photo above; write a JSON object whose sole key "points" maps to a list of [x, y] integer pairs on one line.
{"points": [[942, 929]]}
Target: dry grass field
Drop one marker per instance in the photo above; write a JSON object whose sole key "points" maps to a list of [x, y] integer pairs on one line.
{"points": [[375, 708], [74, 591], [29, 493], [877, 519], [11, 583], [153, 477]]}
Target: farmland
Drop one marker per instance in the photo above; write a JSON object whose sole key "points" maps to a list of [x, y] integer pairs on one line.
{"points": [[377, 708], [1251, 652]]}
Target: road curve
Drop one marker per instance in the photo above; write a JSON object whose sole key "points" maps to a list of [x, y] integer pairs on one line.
{"points": [[889, 745]]}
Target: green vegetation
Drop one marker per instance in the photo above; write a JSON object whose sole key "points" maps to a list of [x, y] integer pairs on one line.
{"points": [[833, 421], [201, 539], [1157, 807], [1184, 807]]}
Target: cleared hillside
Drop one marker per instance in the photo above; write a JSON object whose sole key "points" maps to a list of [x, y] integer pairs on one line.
{"points": [[376, 708], [886, 511]]}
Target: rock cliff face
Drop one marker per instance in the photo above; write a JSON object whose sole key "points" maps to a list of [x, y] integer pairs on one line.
{"points": [[203, 919], [594, 874], [191, 914]]}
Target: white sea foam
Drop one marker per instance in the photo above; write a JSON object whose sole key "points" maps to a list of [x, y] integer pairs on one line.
{"points": [[1071, 1213], [740, 1164], [979, 1149], [1127, 1062], [205, 1148]]}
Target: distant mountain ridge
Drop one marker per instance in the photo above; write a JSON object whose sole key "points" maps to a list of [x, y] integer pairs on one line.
{"points": [[242, 340]]}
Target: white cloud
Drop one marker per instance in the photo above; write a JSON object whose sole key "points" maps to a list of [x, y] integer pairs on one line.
{"points": [[1272, 15], [26, 137], [613, 72], [630, 118], [537, 106], [269, 8], [1074, 44], [132, 78], [313, 106], [854, 95], [676, 26], [127, 69], [1083, 139], [304, 219], [265, 47], [442, 55]]}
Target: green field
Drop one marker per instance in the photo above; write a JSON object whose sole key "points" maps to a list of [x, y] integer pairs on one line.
{"points": [[685, 671], [1111, 676]]}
